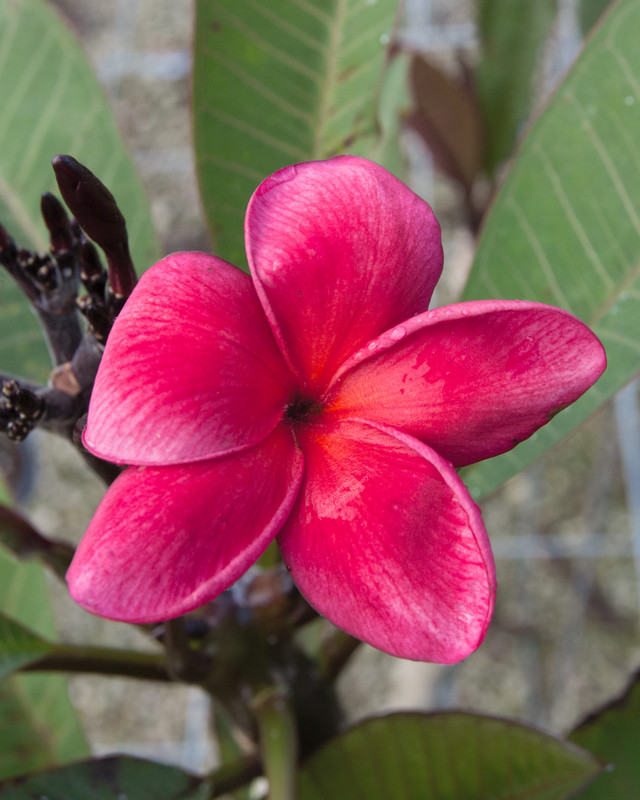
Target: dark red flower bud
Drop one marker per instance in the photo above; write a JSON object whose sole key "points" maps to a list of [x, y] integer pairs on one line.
{"points": [[90, 264], [57, 222], [97, 213], [8, 248]]}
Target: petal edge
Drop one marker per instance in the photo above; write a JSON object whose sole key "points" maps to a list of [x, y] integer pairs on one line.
{"points": [[192, 327], [165, 540], [341, 250], [474, 379], [386, 542]]}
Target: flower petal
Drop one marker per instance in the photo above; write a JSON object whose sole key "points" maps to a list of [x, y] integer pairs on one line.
{"points": [[474, 379], [191, 369], [339, 250], [165, 540], [386, 542]]}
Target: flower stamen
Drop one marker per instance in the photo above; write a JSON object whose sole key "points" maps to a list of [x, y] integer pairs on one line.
{"points": [[303, 409]]}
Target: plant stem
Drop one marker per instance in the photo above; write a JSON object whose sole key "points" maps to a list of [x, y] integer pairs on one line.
{"points": [[102, 661], [234, 775], [24, 541], [278, 741]]}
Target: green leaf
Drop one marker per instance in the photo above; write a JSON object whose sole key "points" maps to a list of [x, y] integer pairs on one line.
{"points": [[393, 108], [511, 33], [445, 756], [19, 646], [52, 103], [111, 778], [118, 777], [565, 228], [38, 727], [24, 596], [613, 734], [278, 83], [590, 13]]}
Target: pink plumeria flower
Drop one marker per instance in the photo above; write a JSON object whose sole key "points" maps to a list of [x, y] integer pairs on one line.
{"points": [[318, 401]]}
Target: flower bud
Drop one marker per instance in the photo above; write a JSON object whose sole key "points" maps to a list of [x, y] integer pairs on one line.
{"points": [[97, 213], [57, 222]]}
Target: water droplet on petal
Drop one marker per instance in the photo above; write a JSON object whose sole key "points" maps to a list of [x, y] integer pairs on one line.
{"points": [[372, 345], [398, 333]]}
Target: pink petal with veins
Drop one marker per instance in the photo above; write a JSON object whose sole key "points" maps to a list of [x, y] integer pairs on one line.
{"points": [[386, 542], [474, 379], [191, 369], [165, 540], [340, 250]]}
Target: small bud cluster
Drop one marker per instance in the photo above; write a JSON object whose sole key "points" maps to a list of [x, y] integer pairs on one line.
{"points": [[20, 409], [52, 282]]}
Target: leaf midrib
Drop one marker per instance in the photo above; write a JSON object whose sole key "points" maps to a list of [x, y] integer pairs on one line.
{"points": [[327, 86]]}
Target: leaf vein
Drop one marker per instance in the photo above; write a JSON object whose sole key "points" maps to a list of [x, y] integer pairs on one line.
{"points": [[290, 62], [331, 68], [257, 134], [275, 99], [607, 162], [570, 214], [539, 252]]}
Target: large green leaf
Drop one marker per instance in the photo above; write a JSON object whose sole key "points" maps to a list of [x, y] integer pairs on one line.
{"points": [[278, 83], [512, 34], [565, 228], [38, 727], [51, 102], [590, 13], [445, 756], [118, 777], [613, 734], [19, 646], [393, 108], [111, 778]]}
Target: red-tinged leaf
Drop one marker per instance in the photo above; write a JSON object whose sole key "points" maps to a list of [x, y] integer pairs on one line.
{"points": [[447, 118]]}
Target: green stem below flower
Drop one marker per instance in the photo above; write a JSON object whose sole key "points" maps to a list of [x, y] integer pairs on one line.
{"points": [[102, 661], [234, 775], [278, 741]]}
